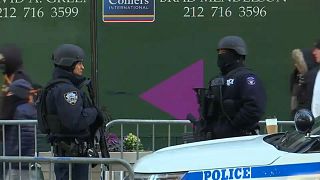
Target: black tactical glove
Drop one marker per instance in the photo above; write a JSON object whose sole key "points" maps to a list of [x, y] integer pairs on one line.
{"points": [[100, 118]]}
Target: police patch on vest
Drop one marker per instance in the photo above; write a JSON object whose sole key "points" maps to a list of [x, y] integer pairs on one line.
{"points": [[251, 81], [230, 82], [71, 97]]}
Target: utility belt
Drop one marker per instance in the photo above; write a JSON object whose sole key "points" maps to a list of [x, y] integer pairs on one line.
{"points": [[74, 148], [26, 166]]}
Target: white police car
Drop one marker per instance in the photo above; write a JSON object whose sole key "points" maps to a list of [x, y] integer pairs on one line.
{"points": [[293, 155]]}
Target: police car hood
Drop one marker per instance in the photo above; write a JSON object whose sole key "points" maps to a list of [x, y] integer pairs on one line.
{"points": [[221, 153]]}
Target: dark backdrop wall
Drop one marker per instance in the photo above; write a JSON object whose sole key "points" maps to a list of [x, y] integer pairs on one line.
{"points": [[134, 57]]}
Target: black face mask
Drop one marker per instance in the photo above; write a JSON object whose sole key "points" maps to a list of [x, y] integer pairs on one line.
{"points": [[228, 61]]}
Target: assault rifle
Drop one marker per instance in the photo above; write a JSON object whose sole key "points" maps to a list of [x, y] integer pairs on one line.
{"points": [[201, 127], [201, 99], [100, 133]]}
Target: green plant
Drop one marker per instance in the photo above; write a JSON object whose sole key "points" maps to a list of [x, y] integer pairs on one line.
{"points": [[132, 143]]}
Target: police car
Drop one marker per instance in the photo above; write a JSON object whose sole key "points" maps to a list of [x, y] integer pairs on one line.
{"points": [[289, 155]]}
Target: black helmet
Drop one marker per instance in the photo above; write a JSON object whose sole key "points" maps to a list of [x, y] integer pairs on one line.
{"points": [[233, 42], [303, 120], [67, 54]]}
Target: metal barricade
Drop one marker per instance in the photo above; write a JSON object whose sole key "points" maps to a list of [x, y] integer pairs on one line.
{"points": [[7, 160], [70, 160], [18, 123], [125, 122], [152, 122]]}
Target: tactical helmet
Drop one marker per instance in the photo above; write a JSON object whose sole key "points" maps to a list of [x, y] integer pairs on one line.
{"points": [[67, 54], [304, 120], [233, 42]]}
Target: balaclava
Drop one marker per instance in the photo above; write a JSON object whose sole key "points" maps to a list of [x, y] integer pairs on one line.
{"points": [[229, 60]]}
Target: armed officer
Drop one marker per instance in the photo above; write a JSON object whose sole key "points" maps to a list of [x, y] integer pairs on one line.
{"points": [[69, 111], [236, 99]]}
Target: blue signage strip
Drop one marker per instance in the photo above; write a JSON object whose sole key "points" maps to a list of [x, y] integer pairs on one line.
{"points": [[128, 10], [286, 170], [255, 172]]}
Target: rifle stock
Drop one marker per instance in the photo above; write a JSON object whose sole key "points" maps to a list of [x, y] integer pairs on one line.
{"points": [[100, 134], [202, 127], [201, 98]]}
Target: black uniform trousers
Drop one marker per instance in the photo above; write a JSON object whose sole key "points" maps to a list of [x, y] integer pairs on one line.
{"points": [[79, 171]]}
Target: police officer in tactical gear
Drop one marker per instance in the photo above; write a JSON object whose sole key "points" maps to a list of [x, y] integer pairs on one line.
{"points": [[236, 99], [69, 111]]}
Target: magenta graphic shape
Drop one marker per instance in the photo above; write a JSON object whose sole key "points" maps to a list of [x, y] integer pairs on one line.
{"points": [[175, 95]]}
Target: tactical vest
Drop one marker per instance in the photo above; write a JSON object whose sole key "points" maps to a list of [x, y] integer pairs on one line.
{"points": [[215, 93], [48, 123]]}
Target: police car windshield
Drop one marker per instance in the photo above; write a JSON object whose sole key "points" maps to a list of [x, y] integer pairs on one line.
{"points": [[295, 141]]}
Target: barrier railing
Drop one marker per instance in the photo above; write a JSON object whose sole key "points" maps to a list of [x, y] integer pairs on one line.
{"points": [[69, 160], [36, 159], [18, 123], [153, 122]]}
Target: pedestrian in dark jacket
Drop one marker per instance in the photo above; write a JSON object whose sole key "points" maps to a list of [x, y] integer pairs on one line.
{"points": [[305, 67], [20, 90], [309, 92], [11, 64], [236, 98]]}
